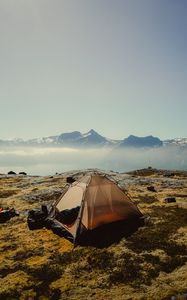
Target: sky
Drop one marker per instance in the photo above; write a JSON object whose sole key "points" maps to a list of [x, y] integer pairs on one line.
{"points": [[117, 66]]}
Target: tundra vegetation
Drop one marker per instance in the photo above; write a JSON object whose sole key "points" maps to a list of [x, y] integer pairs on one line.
{"points": [[150, 264]]}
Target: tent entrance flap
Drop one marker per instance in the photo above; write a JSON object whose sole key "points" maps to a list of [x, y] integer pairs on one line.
{"points": [[72, 198]]}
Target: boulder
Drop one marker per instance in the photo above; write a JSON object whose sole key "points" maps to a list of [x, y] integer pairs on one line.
{"points": [[170, 200], [22, 173], [70, 179], [151, 188], [7, 214], [11, 173]]}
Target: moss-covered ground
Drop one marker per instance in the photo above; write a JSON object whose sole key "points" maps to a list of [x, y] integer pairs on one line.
{"points": [[150, 264]]}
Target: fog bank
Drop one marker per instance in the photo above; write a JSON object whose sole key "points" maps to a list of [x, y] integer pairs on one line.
{"points": [[45, 161]]}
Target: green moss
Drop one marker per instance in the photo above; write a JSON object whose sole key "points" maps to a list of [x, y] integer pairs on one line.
{"points": [[47, 272], [150, 258], [158, 236]]}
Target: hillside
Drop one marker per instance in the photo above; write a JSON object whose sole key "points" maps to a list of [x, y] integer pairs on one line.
{"points": [[148, 265]]}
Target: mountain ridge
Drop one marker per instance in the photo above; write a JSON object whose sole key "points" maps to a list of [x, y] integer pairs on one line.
{"points": [[94, 139]]}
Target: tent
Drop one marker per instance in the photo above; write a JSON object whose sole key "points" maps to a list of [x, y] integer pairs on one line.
{"points": [[95, 211]]}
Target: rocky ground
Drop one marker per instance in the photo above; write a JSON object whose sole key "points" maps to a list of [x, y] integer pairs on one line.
{"points": [[148, 265]]}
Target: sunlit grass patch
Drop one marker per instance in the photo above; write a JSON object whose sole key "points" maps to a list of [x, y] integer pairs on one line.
{"points": [[36, 260], [13, 284], [5, 193]]}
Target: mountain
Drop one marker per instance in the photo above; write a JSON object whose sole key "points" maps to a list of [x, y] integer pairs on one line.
{"points": [[71, 137], [75, 138], [94, 139], [91, 138], [182, 142], [139, 142], [68, 139]]}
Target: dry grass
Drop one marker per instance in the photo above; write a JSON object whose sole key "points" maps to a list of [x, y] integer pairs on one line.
{"points": [[151, 264]]}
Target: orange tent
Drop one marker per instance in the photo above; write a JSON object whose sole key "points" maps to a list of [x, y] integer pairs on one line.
{"points": [[103, 210]]}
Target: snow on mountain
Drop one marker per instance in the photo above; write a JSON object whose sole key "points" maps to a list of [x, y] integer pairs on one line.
{"points": [[176, 142], [75, 138], [94, 139]]}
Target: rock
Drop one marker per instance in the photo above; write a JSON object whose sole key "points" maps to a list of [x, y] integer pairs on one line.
{"points": [[7, 214], [11, 173], [22, 173], [151, 188], [45, 195], [169, 200], [70, 179]]}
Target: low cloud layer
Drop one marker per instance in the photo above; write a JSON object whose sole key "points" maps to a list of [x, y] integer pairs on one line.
{"points": [[44, 161]]}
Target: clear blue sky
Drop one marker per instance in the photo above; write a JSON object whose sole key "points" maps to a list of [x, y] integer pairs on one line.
{"points": [[118, 66]]}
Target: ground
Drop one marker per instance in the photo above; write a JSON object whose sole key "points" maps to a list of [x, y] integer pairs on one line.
{"points": [[150, 264]]}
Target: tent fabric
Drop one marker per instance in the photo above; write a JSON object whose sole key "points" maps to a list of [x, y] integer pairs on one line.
{"points": [[105, 203], [101, 202]]}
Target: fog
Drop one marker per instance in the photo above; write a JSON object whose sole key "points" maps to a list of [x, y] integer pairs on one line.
{"points": [[47, 161]]}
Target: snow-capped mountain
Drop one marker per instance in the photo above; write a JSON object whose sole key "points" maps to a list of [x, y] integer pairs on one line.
{"points": [[137, 142], [78, 139], [91, 138], [176, 142], [68, 139], [94, 139]]}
